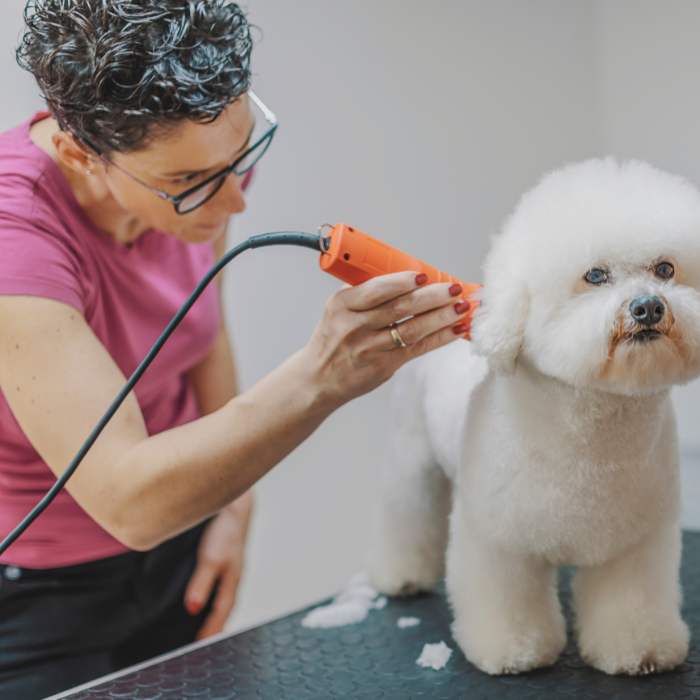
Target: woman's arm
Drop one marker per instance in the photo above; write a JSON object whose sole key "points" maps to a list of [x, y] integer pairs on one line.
{"points": [[59, 379], [220, 553], [215, 379], [200, 467], [215, 382]]}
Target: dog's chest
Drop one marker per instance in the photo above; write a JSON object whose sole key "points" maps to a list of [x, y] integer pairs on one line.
{"points": [[572, 497]]}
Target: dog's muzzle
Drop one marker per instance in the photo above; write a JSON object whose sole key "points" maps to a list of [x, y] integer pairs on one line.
{"points": [[647, 311]]}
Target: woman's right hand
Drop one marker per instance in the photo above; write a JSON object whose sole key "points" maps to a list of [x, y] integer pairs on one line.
{"points": [[352, 348]]}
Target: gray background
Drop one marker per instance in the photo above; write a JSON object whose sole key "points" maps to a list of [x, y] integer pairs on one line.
{"points": [[421, 123]]}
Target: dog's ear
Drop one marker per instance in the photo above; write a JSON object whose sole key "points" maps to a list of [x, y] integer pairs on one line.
{"points": [[498, 326]]}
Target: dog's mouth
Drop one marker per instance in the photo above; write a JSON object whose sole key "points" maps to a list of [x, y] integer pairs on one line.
{"points": [[646, 335], [628, 333]]}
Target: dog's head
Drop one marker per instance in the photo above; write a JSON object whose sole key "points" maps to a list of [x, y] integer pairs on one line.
{"points": [[595, 280]]}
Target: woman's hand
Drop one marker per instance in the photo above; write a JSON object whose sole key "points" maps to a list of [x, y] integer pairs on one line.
{"points": [[219, 558], [352, 347]]}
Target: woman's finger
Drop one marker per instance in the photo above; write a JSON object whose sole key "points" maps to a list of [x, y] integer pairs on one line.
{"points": [[379, 290], [200, 586], [452, 317], [436, 340], [415, 303], [223, 604]]}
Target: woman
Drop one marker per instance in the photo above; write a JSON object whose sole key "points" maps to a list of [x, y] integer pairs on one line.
{"points": [[112, 207]]}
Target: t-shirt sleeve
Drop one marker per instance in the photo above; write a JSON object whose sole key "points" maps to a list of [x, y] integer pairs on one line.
{"points": [[37, 262]]}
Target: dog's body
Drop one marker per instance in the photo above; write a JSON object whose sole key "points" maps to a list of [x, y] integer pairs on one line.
{"points": [[558, 458]]}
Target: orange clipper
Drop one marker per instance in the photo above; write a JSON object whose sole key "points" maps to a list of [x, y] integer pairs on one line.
{"points": [[355, 257]]}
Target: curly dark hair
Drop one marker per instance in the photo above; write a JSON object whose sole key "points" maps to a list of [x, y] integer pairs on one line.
{"points": [[115, 73]]}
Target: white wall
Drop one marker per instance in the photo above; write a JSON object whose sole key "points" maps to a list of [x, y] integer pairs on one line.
{"points": [[20, 94], [646, 57]]}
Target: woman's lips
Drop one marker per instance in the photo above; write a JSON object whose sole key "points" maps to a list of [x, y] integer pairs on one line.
{"points": [[212, 227]]}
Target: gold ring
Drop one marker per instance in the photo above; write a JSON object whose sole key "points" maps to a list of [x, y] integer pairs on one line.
{"points": [[396, 337]]}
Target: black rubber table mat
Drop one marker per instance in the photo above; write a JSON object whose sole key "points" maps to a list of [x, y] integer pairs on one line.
{"points": [[375, 659]]}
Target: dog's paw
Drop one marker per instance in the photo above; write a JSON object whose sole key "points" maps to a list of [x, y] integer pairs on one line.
{"points": [[616, 648], [500, 650]]}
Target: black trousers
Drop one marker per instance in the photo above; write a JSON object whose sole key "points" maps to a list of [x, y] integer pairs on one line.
{"points": [[65, 626]]}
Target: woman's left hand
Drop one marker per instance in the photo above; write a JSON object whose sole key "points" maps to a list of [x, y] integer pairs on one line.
{"points": [[219, 558]]}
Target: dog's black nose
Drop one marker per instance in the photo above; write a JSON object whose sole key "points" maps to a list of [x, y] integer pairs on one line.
{"points": [[647, 310]]}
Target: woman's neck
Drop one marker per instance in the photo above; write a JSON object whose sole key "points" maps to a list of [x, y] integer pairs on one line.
{"points": [[93, 197]]}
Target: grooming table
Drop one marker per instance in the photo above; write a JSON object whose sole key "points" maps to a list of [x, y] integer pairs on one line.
{"points": [[375, 659]]}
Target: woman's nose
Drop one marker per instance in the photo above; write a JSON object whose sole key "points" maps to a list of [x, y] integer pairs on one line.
{"points": [[231, 195]]}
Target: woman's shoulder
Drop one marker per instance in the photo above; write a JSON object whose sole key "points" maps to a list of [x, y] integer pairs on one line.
{"points": [[31, 194], [40, 254], [19, 155]]}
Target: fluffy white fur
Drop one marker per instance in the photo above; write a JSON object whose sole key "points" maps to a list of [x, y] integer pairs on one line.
{"points": [[551, 438]]}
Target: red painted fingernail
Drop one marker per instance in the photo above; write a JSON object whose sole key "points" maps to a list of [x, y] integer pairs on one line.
{"points": [[462, 307], [460, 328], [193, 607], [455, 290], [421, 279]]}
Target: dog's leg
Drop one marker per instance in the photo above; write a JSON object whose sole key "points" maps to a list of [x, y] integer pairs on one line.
{"points": [[508, 617], [628, 609], [408, 551]]}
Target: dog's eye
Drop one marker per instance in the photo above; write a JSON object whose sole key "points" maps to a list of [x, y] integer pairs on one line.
{"points": [[664, 270], [596, 276]]}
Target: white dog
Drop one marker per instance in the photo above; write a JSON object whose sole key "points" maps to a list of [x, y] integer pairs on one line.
{"points": [[560, 447]]}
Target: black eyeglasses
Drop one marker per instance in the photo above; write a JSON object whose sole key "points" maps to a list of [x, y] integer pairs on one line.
{"points": [[196, 196]]}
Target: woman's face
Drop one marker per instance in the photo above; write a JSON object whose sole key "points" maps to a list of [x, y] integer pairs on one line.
{"points": [[177, 161]]}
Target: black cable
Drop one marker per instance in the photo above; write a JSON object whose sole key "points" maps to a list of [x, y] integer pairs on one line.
{"points": [[306, 240]]}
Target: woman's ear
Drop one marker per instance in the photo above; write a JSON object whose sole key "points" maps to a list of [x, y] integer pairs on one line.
{"points": [[498, 327], [71, 153]]}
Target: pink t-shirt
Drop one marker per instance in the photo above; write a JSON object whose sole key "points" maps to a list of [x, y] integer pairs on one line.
{"points": [[127, 294]]}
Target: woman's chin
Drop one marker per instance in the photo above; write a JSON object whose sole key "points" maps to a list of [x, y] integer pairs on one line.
{"points": [[203, 234]]}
